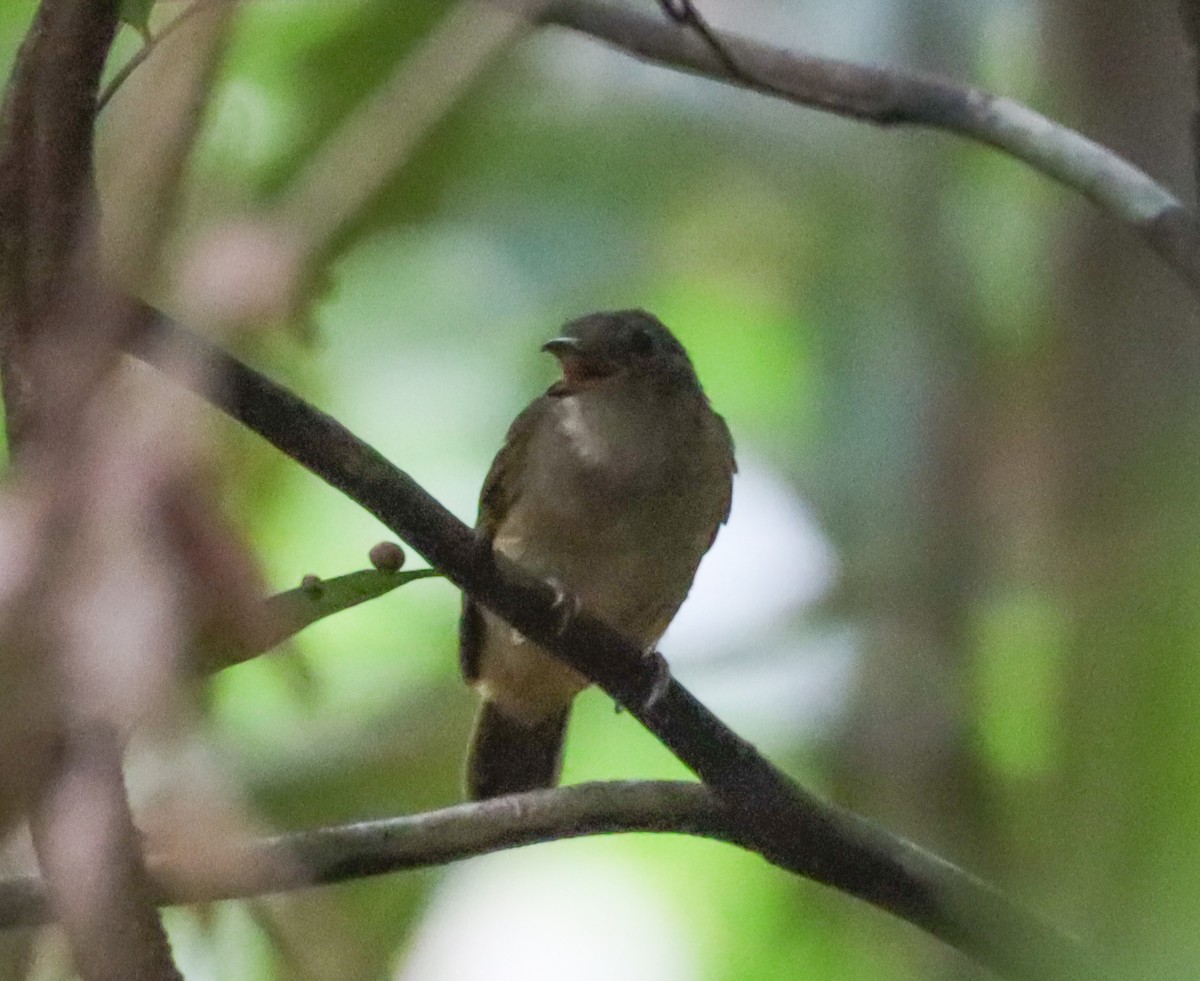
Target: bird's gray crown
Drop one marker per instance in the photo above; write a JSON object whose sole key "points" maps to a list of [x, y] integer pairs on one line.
{"points": [[634, 340]]}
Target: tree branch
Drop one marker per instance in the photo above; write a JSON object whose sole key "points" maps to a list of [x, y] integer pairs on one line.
{"points": [[784, 821], [894, 98], [57, 338], [45, 188], [89, 852], [341, 853]]}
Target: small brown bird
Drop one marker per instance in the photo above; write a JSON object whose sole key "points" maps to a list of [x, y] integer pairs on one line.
{"points": [[612, 485]]}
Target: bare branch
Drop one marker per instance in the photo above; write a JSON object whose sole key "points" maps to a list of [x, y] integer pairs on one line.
{"points": [[341, 853], [45, 188], [345, 852], [83, 832], [819, 840], [893, 98]]}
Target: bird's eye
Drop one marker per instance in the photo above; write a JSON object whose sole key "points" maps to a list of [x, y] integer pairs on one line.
{"points": [[641, 342]]}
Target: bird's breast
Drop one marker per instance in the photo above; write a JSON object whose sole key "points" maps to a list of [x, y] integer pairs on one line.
{"points": [[619, 502], [622, 448]]}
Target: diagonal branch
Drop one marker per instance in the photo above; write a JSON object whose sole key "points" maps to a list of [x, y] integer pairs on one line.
{"points": [[821, 841], [894, 98]]}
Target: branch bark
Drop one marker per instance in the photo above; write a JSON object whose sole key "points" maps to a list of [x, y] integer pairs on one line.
{"points": [[344, 852], [819, 840], [89, 852], [45, 188], [894, 98]]}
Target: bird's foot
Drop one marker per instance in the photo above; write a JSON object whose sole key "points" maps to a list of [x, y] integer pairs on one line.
{"points": [[662, 680], [566, 605]]}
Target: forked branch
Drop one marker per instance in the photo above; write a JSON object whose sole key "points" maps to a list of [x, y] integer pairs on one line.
{"points": [[895, 98]]}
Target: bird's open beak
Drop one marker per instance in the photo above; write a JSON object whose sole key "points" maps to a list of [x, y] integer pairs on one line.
{"points": [[559, 346], [579, 369]]}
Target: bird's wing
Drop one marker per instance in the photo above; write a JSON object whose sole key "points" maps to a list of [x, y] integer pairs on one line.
{"points": [[501, 489]]}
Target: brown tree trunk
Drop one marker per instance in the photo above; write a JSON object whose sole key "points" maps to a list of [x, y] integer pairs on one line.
{"points": [[1129, 417]]}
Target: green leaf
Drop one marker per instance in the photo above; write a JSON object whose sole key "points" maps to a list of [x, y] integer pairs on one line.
{"points": [[136, 13], [287, 613]]}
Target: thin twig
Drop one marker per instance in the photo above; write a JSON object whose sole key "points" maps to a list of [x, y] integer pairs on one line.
{"points": [[148, 48], [895, 98], [685, 14]]}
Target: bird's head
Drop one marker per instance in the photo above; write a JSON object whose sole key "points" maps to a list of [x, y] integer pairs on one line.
{"points": [[603, 349]]}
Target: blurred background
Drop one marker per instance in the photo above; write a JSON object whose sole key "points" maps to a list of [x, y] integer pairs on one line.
{"points": [[960, 589]]}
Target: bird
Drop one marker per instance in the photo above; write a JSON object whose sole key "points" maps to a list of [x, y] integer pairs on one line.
{"points": [[611, 486]]}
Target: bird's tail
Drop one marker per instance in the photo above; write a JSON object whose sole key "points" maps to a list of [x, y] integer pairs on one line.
{"points": [[507, 756]]}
